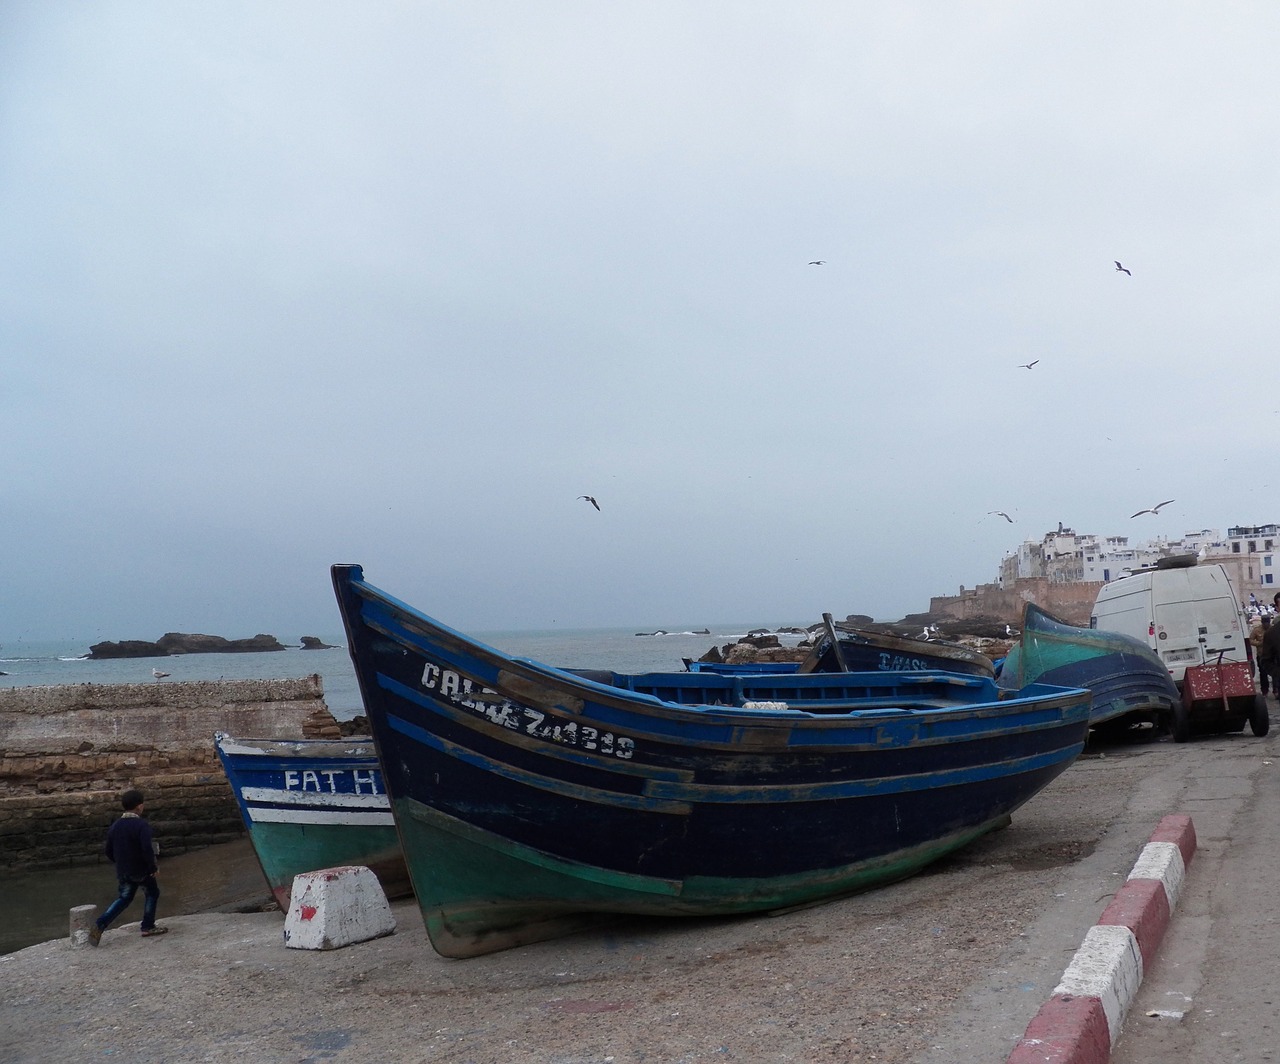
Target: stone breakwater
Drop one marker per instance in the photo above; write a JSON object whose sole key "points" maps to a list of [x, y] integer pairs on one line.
{"points": [[67, 752]]}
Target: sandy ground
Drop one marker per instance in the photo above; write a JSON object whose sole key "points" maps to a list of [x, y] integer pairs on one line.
{"points": [[884, 976]]}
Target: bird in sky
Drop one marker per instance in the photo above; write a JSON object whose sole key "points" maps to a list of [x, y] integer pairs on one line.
{"points": [[1028, 365], [590, 499], [1119, 268], [1151, 509], [158, 674], [818, 262], [1001, 513]]}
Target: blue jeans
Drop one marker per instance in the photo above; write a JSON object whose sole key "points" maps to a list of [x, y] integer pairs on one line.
{"points": [[128, 888]]}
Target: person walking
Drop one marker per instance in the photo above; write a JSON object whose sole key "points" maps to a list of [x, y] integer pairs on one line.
{"points": [[1256, 634], [1269, 656], [129, 846]]}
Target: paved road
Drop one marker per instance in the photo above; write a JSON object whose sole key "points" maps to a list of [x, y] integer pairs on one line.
{"points": [[1212, 992], [1221, 957]]}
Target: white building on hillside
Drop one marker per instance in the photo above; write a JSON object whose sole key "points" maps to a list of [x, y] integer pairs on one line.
{"points": [[1249, 553]]}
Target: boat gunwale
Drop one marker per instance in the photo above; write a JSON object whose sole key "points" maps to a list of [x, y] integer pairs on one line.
{"points": [[646, 707]]}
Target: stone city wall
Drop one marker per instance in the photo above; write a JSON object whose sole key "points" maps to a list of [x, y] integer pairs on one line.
{"points": [[67, 752], [1072, 603]]}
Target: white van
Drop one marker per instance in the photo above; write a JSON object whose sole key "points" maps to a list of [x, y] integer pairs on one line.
{"points": [[1186, 613]]}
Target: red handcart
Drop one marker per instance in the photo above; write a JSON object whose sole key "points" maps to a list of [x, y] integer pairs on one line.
{"points": [[1219, 697]]}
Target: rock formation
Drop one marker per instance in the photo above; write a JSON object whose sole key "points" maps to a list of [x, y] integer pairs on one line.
{"points": [[311, 642], [183, 643]]}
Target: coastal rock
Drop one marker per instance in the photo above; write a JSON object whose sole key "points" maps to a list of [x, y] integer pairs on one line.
{"points": [[756, 648], [126, 648], [310, 642], [184, 643]]}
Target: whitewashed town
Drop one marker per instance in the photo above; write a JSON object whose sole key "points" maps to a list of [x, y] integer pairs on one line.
{"points": [[1247, 552], [1063, 570]]}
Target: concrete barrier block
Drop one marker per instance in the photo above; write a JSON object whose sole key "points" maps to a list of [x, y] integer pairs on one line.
{"points": [[335, 907], [82, 920]]}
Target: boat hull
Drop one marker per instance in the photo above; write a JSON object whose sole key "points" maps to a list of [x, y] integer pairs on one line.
{"points": [[1127, 681], [530, 801], [311, 804]]}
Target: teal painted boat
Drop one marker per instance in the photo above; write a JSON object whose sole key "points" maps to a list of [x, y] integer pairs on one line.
{"points": [[311, 803], [1127, 681]]}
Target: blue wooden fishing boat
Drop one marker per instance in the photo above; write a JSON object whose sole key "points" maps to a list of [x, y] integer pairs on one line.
{"points": [[314, 803], [1128, 682], [846, 648], [530, 800]]}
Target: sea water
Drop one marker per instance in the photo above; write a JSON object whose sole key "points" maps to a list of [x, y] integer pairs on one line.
{"points": [[32, 664], [38, 901]]}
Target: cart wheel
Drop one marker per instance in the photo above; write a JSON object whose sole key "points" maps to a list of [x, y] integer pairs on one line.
{"points": [[1181, 728], [1259, 718]]}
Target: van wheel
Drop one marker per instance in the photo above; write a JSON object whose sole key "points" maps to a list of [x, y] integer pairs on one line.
{"points": [[1181, 728], [1259, 718]]}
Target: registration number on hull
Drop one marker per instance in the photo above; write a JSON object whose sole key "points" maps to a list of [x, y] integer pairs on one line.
{"points": [[460, 691]]}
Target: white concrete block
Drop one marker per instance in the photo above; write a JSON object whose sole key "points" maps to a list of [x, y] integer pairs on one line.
{"points": [[83, 918], [1107, 966], [334, 907], [1162, 861]]}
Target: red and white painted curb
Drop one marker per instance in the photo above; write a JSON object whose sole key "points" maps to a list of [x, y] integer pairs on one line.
{"points": [[1082, 1021]]}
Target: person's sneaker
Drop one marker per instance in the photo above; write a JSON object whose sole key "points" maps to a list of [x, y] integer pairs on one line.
{"points": [[95, 935], [154, 931]]}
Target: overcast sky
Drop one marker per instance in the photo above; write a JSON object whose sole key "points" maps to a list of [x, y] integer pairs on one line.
{"points": [[288, 284]]}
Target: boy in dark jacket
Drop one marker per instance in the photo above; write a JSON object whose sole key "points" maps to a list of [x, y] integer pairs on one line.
{"points": [[129, 846]]}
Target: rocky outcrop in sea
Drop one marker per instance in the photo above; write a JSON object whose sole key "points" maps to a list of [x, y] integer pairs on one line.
{"points": [[183, 643]]}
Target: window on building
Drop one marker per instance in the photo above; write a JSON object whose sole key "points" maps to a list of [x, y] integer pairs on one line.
{"points": [[1253, 546], [1267, 579], [1267, 561], [1235, 548]]}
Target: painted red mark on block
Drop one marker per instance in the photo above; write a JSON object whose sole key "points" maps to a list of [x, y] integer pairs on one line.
{"points": [[309, 911]]}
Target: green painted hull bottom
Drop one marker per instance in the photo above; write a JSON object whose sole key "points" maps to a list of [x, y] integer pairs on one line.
{"points": [[284, 850], [480, 893]]}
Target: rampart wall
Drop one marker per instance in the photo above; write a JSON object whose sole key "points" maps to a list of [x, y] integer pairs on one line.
{"points": [[1071, 602], [68, 751]]}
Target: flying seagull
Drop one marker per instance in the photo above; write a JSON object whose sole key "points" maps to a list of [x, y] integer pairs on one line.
{"points": [[818, 262], [158, 674], [1001, 513], [591, 500], [1119, 268], [1028, 365], [1151, 510]]}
